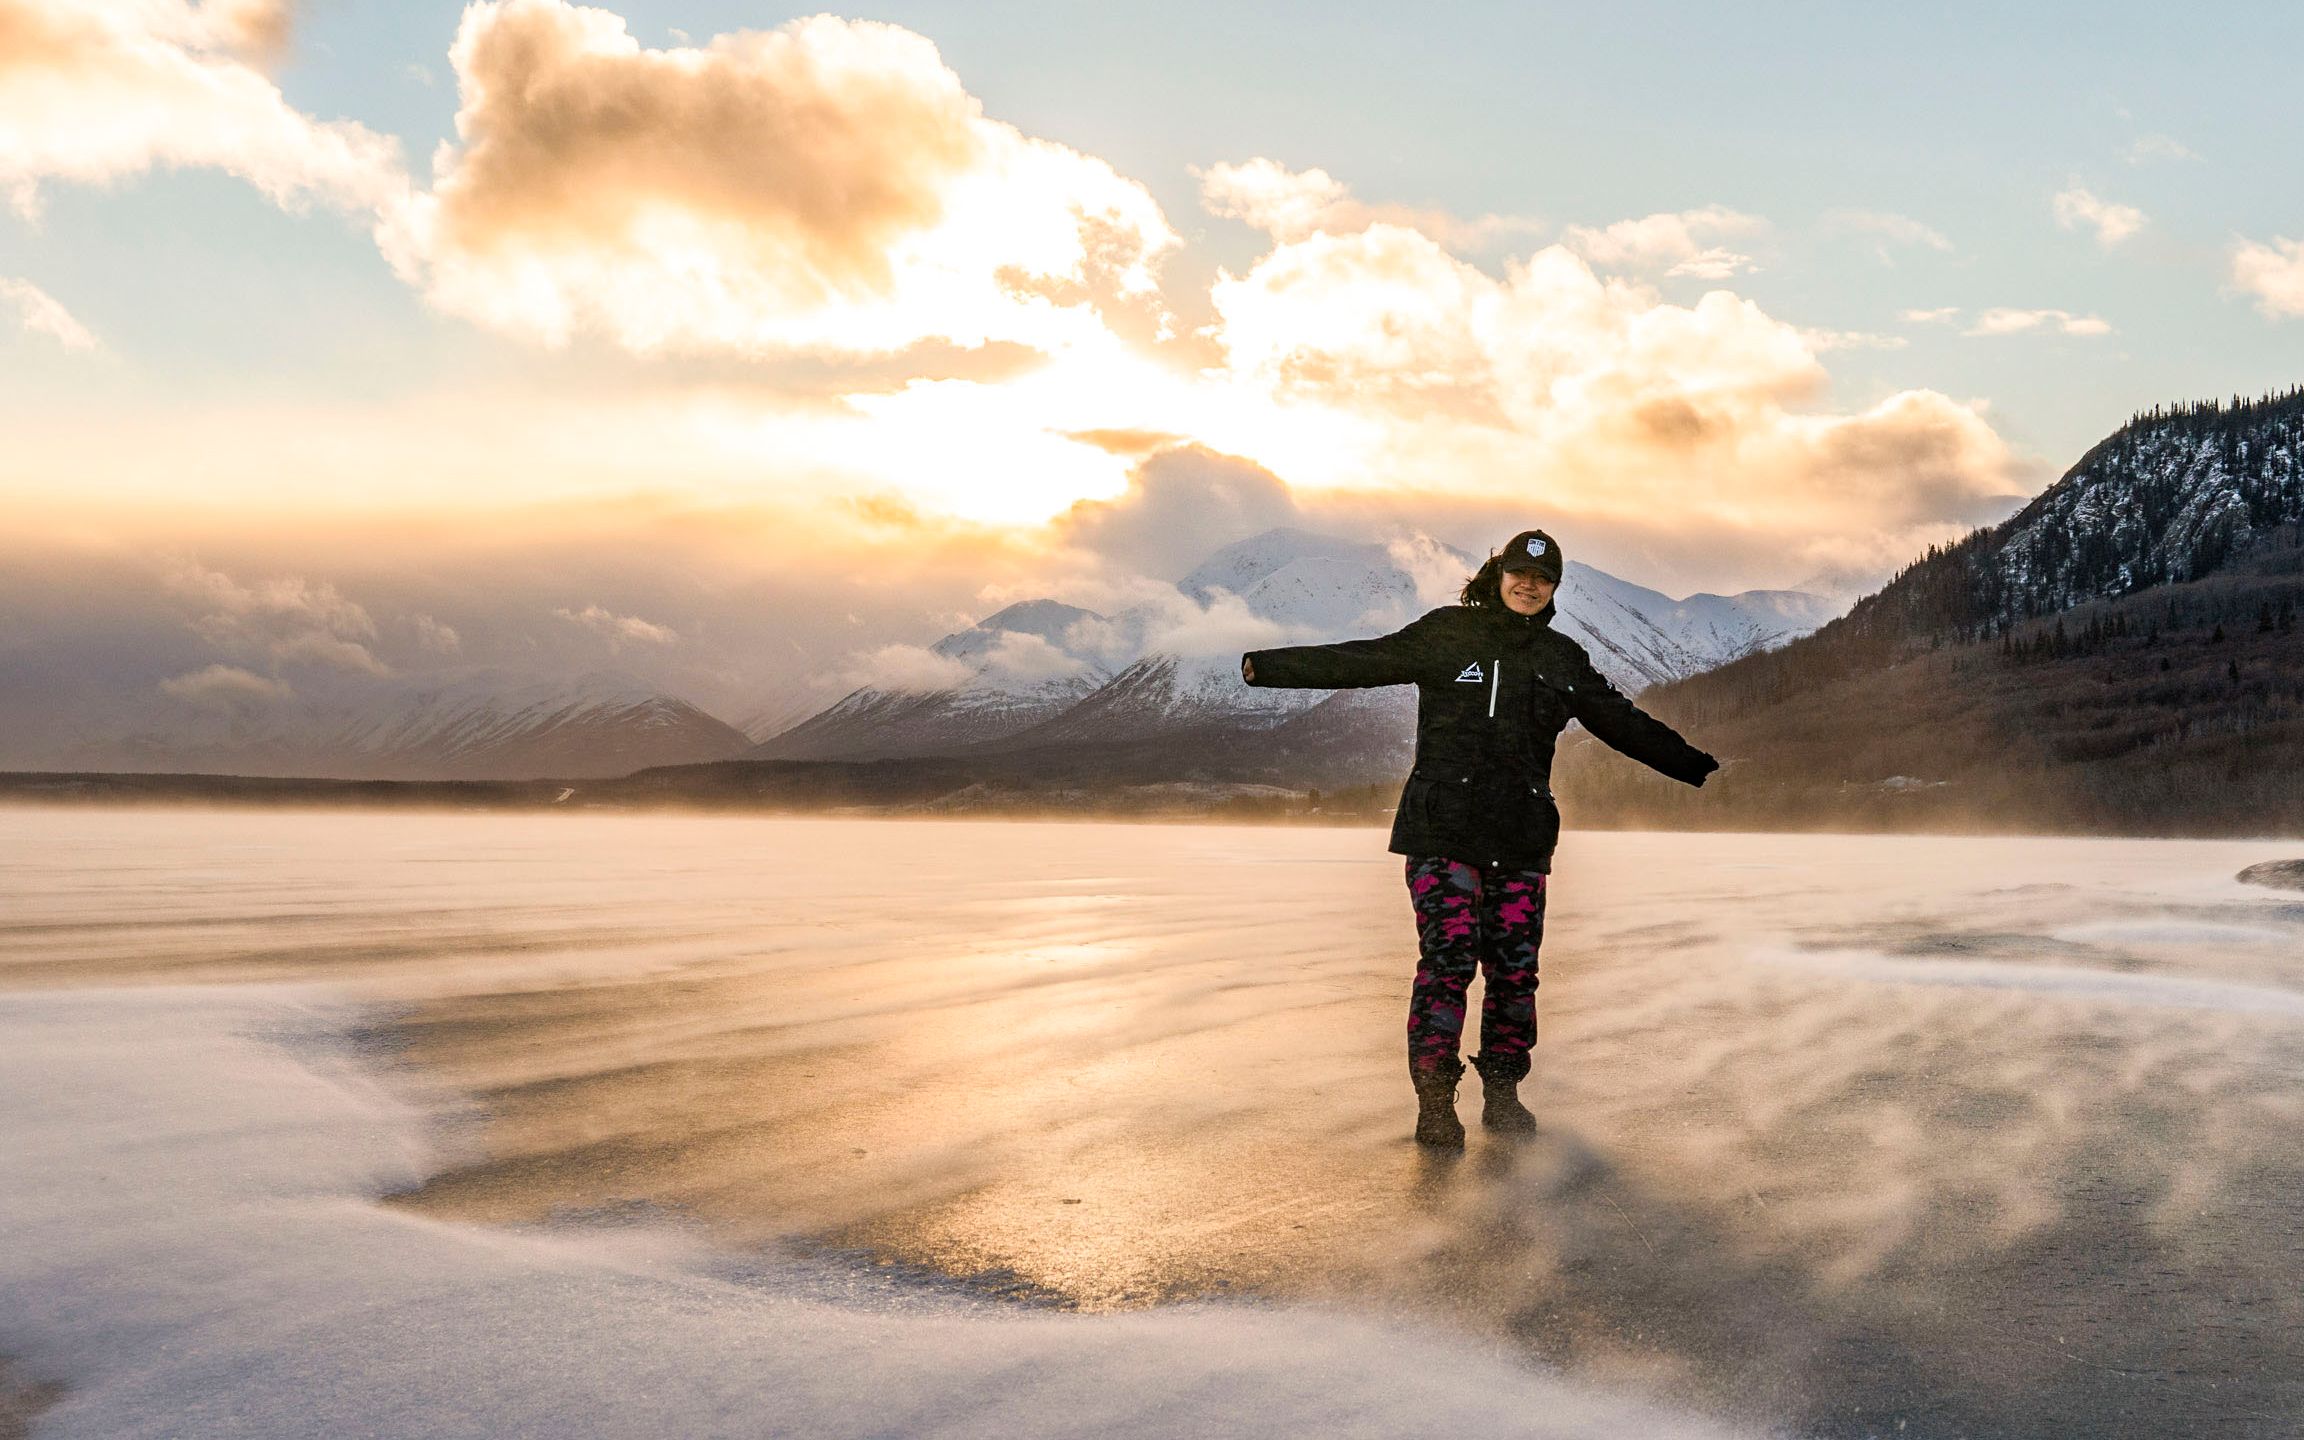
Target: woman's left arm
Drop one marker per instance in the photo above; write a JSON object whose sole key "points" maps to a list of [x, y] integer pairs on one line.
{"points": [[1624, 726]]}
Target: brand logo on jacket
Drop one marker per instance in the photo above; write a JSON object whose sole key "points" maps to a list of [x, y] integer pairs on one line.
{"points": [[1470, 674]]}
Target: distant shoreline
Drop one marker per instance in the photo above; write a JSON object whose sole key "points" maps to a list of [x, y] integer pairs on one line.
{"points": [[658, 792]]}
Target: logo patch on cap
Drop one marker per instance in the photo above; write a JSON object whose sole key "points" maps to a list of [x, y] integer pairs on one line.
{"points": [[1536, 545]]}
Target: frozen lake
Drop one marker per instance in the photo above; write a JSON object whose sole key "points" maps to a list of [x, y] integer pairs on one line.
{"points": [[777, 1125]]}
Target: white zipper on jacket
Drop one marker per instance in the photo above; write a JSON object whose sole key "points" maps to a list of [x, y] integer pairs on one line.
{"points": [[1495, 676]]}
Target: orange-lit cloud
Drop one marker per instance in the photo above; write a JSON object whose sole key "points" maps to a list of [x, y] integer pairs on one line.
{"points": [[258, 29], [1126, 442], [93, 91], [1583, 393], [827, 185]]}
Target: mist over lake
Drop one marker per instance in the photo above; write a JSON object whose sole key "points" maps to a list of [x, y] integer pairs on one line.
{"points": [[1840, 1134]]}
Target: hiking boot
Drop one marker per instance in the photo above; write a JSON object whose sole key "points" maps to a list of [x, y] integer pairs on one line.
{"points": [[1500, 1107], [1436, 1122]]}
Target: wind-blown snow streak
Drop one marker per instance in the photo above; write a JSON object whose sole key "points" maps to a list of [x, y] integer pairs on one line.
{"points": [[195, 1248]]}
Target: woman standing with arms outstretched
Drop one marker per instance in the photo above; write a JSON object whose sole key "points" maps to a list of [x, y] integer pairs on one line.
{"points": [[1495, 685]]}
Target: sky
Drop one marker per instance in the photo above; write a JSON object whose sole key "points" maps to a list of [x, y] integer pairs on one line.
{"points": [[772, 336]]}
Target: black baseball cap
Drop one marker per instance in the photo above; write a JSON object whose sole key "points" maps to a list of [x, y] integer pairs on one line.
{"points": [[1531, 550]]}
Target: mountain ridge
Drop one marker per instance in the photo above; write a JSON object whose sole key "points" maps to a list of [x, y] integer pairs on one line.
{"points": [[1281, 586], [2118, 654], [482, 724]]}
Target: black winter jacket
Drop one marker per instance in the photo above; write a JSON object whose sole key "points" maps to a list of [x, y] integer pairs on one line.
{"points": [[1494, 689]]}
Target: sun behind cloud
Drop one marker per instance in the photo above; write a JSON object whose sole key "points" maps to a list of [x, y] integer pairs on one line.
{"points": [[722, 216]]}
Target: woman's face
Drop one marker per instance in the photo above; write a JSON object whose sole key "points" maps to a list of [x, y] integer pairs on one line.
{"points": [[1525, 591]]}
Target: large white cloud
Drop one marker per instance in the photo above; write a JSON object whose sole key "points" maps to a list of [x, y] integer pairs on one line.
{"points": [[1181, 503], [828, 185], [95, 91], [1580, 392]]}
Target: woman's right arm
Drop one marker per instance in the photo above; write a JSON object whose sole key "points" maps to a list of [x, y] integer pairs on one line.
{"points": [[1346, 665]]}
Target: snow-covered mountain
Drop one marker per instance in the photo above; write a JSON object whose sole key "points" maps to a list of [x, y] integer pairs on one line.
{"points": [[2166, 498], [1640, 637], [1163, 693], [479, 725], [1016, 668], [1283, 586], [774, 718], [2170, 497], [1177, 662], [1290, 562]]}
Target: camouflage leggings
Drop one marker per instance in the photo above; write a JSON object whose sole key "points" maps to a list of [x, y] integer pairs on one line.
{"points": [[1469, 918]]}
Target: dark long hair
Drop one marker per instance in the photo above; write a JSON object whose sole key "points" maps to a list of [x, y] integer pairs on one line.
{"points": [[1486, 587]]}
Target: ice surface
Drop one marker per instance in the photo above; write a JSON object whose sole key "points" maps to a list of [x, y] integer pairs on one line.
{"points": [[195, 1249], [1975, 1136]]}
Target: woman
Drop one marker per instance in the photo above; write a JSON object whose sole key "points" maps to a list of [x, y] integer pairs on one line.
{"points": [[1495, 685]]}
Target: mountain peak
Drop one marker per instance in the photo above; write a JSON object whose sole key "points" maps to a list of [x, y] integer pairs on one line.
{"points": [[1045, 618], [1238, 566]]}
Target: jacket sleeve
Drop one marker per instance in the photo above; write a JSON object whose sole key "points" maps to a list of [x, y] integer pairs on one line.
{"points": [[1347, 665], [1626, 727]]}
